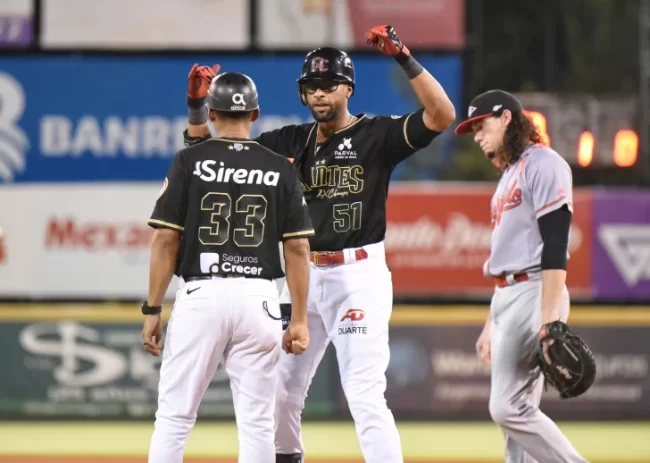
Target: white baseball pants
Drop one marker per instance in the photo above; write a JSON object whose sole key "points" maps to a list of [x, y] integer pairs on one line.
{"points": [[225, 319], [349, 305]]}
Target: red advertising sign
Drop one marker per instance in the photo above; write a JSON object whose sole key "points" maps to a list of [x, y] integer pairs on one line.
{"points": [[419, 23], [438, 238]]}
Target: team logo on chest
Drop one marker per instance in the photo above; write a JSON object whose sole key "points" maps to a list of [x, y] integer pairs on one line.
{"points": [[509, 199], [334, 181], [345, 150]]}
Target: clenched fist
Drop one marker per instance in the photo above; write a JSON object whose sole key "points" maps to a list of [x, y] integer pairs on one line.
{"points": [[198, 80], [385, 39], [296, 338]]}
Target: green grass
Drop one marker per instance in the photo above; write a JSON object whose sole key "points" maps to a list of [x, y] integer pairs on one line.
{"points": [[612, 442]]}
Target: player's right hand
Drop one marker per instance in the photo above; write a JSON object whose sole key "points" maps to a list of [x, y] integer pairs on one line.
{"points": [[296, 338], [483, 349], [198, 80], [152, 334]]}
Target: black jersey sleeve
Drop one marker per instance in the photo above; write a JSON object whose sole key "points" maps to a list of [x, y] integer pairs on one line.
{"points": [[405, 135], [171, 205], [289, 141], [297, 223]]}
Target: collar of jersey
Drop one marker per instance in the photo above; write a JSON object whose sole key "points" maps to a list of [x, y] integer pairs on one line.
{"points": [[359, 117], [234, 140]]}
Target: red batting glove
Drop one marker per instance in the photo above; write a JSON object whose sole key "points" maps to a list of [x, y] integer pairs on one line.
{"points": [[198, 80], [385, 39]]}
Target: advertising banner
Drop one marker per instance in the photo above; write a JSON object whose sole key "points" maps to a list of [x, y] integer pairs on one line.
{"points": [[145, 24], [434, 372], [83, 369], [16, 23], [77, 242], [96, 118], [343, 23], [72, 361], [622, 248], [85, 240], [438, 238]]}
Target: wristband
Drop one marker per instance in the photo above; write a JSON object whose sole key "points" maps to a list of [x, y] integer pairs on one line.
{"points": [[150, 309], [410, 66], [197, 113], [195, 103], [190, 141]]}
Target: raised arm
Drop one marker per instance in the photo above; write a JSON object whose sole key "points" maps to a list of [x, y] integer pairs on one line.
{"points": [[198, 83], [439, 112]]}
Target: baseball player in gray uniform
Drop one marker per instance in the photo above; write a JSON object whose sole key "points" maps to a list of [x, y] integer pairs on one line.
{"points": [[531, 218]]}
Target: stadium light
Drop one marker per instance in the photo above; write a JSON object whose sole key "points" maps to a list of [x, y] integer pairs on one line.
{"points": [[626, 148], [585, 148]]}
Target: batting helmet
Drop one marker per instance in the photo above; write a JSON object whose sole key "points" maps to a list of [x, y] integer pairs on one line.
{"points": [[232, 92], [327, 64]]}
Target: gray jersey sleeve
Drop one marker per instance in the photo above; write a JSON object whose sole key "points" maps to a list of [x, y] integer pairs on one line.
{"points": [[550, 181]]}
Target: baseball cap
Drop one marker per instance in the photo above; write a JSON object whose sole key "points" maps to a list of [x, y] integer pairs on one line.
{"points": [[490, 103]]}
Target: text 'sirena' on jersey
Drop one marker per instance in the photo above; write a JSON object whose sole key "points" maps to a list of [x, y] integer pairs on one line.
{"points": [[228, 205]]}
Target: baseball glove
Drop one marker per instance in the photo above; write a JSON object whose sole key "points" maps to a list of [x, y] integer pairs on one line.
{"points": [[572, 367]]}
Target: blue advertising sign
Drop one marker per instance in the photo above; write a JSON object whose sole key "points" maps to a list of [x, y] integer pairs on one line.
{"points": [[112, 118]]}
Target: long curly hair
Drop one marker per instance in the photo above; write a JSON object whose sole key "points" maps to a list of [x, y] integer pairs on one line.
{"points": [[520, 133]]}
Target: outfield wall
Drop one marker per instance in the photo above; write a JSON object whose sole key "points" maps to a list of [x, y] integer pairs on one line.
{"points": [[87, 361]]}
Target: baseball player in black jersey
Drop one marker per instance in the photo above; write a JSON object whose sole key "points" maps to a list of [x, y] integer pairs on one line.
{"points": [[224, 207], [345, 163]]}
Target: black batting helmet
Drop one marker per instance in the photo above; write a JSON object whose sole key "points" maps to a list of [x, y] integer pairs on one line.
{"points": [[327, 64], [232, 92]]}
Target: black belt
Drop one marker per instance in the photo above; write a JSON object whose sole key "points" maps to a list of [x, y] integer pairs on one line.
{"points": [[219, 275]]}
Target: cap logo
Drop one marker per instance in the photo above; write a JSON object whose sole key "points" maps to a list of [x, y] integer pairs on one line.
{"points": [[470, 111], [319, 64], [238, 99], [496, 107]]}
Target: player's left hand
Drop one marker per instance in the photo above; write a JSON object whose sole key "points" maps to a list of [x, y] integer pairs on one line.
{"points": [[545, 345], [152, 334], [296, 338], [546, 342], [385, 39]]}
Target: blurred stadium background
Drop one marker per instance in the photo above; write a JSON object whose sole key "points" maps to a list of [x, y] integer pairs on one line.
{"points": [[92, 106]]}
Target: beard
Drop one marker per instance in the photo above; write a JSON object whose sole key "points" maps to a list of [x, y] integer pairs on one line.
{"points": [[325, 116]]}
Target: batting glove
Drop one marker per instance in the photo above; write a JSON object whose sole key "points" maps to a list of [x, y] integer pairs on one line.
{"points": [[385, 39], [198, 80], [198, 83]]}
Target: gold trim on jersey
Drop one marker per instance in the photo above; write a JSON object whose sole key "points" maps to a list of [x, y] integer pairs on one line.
{"points": [[228, 140], [299, 233], [306, 147], [363, 116], [406, 137], [167, 224]]}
